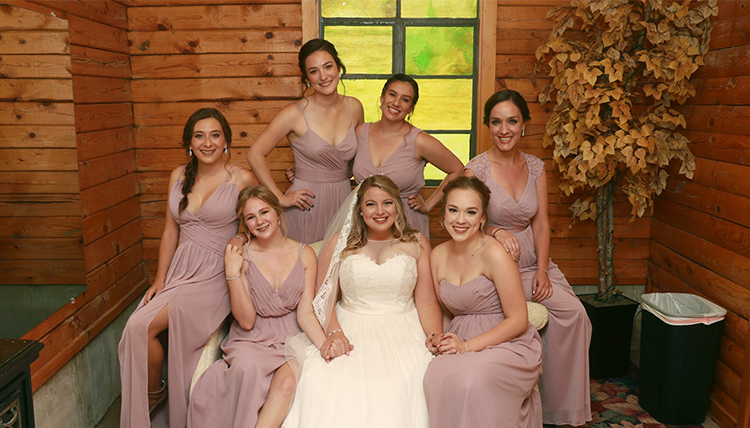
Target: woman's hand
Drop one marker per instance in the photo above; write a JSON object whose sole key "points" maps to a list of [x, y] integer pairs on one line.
{"points": [[336, 345], [297, 198], [289, 174], [433, 343], [451, 344], [509, 242], [156, 287], [417, 203], [232, 260], [541, 287]]}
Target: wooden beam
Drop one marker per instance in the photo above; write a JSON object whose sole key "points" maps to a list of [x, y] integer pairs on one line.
{"points": [[486, 76]]}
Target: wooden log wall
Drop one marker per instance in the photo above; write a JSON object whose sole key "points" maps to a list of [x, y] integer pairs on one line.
{"points": [[521, 27], [109, 205], [700, 239], [238, 58], [40, 206]]}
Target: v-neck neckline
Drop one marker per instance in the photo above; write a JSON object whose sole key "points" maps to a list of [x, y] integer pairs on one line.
{"points": [[525, 187]]}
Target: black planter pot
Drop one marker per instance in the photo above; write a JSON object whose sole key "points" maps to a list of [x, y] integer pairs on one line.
{"points": [[612, 327]]}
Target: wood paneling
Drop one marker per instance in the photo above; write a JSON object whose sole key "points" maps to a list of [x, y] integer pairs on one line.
{"points": [[701, 232]]}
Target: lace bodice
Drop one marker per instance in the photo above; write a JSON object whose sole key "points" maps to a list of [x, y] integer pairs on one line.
{"points": [[364, 282]]}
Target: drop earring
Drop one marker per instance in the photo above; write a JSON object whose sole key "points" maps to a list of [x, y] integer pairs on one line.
{"points": [[226, 150], [307, 84], [341, 75], [523, 132], [190, 151]]}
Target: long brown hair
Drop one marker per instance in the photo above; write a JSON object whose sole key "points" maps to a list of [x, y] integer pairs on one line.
{"points": [[187, 137], [265, 195], [400, 229]]}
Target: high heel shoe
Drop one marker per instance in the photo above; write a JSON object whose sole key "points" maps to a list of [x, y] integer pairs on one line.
{"points": [[157, 397]]}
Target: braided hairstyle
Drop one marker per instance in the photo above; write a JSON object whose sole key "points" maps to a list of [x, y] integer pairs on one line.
{"points": [[187, 137]]}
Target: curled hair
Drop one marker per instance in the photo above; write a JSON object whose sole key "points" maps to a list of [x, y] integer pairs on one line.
{"points": [[265, 195], [400, 229], [466, 183], [187, 137], [400, 77], [505, 95], [313, 46]]}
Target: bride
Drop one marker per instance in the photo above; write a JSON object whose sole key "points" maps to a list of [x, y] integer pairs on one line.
{"points": [[369, 371]]}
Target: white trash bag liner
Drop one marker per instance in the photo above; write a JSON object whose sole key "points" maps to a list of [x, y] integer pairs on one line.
{"points": [[682, 308]]}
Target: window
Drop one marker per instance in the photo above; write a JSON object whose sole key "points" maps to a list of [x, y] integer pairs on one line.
{"points": [[434, 41]]}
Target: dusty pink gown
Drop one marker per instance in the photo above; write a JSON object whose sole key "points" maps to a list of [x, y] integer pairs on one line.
{"points": [[565, 382], [232, 391], [196, 291], [403, 167], [490, 388], [323, 170]]}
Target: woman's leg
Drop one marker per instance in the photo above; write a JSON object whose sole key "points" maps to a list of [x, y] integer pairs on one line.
{"points": [[155, 348], [280, 396]]}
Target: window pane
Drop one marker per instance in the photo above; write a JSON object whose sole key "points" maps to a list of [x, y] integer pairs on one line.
{"points": [[439, 50], [438, 8], [367, 92], [457, 143], [443, 104], [358, 8], [363, 50]]}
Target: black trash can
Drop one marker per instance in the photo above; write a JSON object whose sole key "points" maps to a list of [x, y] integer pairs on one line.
{"points": [[679, 344]]}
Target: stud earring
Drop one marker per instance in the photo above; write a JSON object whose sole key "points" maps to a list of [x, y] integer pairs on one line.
{"points": [[360, 214], [191, 152], [341, 75], [226, 150]]}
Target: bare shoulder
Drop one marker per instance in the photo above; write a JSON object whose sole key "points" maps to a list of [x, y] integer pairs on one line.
{"points": [[245, 178], [308, 256], [494, 253], [424, 243], [439, 253]]}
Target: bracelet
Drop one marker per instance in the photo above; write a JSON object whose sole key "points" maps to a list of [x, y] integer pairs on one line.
{"points": [[232, 278], [240, 238], [496, 230], [467, 346], [426, 205], [545, 271], [334, 331]]}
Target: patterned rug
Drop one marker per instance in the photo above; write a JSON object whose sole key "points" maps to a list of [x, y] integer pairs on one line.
{"points": [[614, 403]]}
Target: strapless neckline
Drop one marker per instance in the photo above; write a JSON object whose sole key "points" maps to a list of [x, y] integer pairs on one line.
{"points": [[465, 283]]}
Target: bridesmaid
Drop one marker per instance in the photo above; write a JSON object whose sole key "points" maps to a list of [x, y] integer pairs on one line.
{"points": [[517, 218], [189, 296], [321, 130], [490, 358], [396, 148], [267, 277]]}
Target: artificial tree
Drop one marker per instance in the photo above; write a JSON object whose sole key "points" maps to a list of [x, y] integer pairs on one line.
{"points": [[618, 67]]}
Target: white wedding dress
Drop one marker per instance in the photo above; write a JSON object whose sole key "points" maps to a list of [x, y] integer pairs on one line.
{"points": [[380, 383]]}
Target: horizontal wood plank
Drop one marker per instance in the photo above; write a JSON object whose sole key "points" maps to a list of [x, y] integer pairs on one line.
{"points": [[214, 41], [112, 244], [532, 17], [729, 90], [718, 119], [88, 33], [38, 160], [35, 42], [19, 18], [86, 61], [167, 160], [35, 66], [38, 136], [208, 17], [92, 145], [53, 205], [41, 227], [106, 195], [40, 248], [101, 11], [214, 65], [58, 90], [721, 204], [36, 113], [727, 62], [99, 90], [169, 136], [23, 182], [100, 224], [176, 114], [98, 117], [721, 147], [43, 272], [101, 170], [172, 90]]}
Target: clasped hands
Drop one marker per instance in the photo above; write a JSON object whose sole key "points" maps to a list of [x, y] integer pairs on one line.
{"points": [[446, 343], [335, 345]]}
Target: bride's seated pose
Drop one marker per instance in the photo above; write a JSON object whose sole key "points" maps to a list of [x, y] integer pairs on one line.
{"points": [[370, 373]]}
